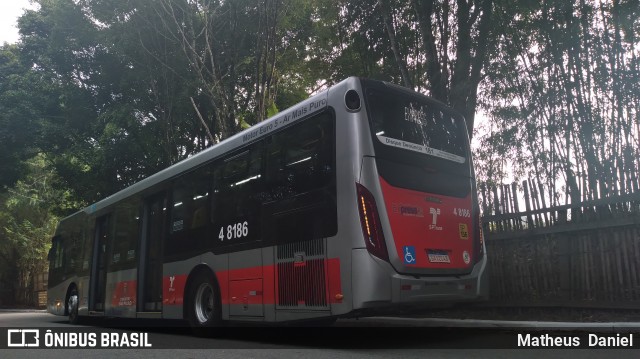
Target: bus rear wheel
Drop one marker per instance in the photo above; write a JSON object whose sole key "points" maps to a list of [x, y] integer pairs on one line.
{"points": [[204, 304]]}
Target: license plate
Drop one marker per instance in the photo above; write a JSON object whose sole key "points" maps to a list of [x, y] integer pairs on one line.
{"points": [[438, 256]]}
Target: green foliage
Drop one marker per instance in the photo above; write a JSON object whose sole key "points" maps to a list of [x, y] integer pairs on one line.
{"points": [[28, 217], [132, 87], [16, 121], [566, 96]]}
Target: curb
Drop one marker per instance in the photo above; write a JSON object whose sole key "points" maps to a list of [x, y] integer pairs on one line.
{"points": [[607, 327]]}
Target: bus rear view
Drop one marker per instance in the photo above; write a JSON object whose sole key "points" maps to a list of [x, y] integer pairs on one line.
{"points": [[417, 203]]}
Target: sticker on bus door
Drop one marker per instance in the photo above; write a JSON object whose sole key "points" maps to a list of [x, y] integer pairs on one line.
{"points": [[125, 294]]}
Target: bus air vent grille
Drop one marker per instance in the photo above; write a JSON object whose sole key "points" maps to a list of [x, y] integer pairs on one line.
{"points": [[301, 276]]}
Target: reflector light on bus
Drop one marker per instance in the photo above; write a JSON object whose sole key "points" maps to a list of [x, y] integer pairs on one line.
{"points": [[366, 220], [370, 221]]}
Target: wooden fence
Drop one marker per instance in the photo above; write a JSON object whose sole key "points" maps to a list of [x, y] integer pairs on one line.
{"points": [[40, 281], [579, 255]]}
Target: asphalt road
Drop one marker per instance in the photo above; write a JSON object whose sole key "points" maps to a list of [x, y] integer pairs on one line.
{"points": [[349, 339]]}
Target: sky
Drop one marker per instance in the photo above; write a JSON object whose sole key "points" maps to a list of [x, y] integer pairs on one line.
{"points": [[10, 10]]}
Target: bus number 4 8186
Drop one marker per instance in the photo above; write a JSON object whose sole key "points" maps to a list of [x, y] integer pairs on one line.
{"points": [[234, 231]]}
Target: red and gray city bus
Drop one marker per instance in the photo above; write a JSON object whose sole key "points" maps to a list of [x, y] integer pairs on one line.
{"points": [[359, 199]]}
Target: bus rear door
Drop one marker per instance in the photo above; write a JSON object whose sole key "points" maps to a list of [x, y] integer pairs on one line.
{"points": [[150, 259]]}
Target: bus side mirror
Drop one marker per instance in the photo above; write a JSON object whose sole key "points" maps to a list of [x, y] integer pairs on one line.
{"points": [[50, 254]]}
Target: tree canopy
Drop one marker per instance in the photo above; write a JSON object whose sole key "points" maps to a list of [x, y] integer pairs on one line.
{"points": [[564, 99]]}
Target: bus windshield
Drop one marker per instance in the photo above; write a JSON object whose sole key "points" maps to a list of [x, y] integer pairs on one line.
{"points": [[420, 138]]}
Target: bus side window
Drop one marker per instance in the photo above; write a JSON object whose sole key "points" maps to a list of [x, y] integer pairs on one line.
{"points": [[55, 260], [179, 205], [299, 159], [87, 248], [237, 195], [189, 211], [275, 177], [58, 262], [306, 160], [71, 264], [299, 193], [55, 253], [52, 250], [190, 205], [126, 222]]}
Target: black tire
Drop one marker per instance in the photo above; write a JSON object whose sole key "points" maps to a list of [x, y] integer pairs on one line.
{"points": [[204, 308], [72, 307]]}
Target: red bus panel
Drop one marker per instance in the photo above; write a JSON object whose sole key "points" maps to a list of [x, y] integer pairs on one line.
{"points": [[429, 230]]}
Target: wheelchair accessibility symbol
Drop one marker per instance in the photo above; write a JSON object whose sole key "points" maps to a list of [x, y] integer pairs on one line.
{"points": [[409, 254]]}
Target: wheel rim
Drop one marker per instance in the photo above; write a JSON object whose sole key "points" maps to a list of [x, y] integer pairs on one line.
{"points": [[72, 304], [204, 303]]}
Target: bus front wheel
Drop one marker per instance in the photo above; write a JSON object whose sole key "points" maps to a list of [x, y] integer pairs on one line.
{"points": [[72, 307], [204, 303]]}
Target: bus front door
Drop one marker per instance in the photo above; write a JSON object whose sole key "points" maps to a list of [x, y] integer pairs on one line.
{"points": [[99, 266]]}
